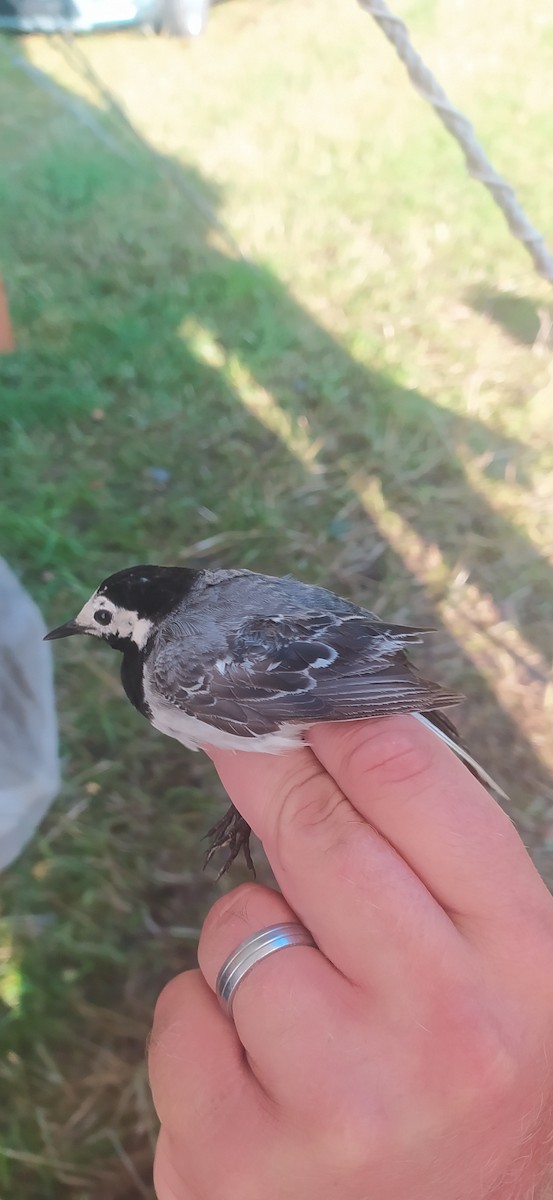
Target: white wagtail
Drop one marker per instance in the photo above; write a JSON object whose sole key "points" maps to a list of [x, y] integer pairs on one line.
{"points": [[244, 661]]}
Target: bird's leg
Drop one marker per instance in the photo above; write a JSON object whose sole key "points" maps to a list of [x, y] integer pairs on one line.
{"points": [[231, 833]]}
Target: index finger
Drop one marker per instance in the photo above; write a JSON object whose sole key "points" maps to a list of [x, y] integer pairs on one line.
{"points": [[405, 787], [363, 904], [445, 825]]}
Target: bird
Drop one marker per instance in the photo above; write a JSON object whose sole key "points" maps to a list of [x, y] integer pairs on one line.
{"points": [[235, 659]]}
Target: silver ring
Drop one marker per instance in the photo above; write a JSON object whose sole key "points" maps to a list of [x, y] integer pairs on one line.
{"points": [[251, 951]]}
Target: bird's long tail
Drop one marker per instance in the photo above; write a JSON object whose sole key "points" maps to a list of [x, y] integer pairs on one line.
{"points": [[463, 754]]}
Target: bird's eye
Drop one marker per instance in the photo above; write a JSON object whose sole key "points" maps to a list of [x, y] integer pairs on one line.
{"points": [[103, 617]]}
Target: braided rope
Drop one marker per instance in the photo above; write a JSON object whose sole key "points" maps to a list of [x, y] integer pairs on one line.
{"points": [[459, 126]]}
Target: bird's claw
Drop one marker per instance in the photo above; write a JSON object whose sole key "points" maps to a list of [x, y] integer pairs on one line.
{"points": [[231, 833]]}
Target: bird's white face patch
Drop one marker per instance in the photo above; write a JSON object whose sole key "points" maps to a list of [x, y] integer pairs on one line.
{"points": [[102, 618]]}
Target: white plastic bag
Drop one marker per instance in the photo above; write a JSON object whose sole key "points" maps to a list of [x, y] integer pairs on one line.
{"points": [[29, 764]]}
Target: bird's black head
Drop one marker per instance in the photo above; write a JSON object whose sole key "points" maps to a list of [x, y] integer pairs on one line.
{"points": [[149, 591], [127, 606]]}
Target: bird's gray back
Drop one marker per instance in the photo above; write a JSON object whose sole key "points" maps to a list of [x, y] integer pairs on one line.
{"points": [[221, 601]]}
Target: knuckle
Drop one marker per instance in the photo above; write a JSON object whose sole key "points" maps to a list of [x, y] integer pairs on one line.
{"points": [[233, 918], [352, 1138], [234, 907], [495, 1071], [349, 1144], [390, 754], [309, 801], [486, 1060]]}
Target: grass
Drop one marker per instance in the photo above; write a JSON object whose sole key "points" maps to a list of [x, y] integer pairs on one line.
{"points": [[360, 399]]}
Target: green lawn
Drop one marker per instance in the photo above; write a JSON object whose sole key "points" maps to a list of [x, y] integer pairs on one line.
{"points": [[363, 398]]}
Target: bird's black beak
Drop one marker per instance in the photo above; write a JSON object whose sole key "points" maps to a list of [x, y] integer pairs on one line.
{"points": [[66, 630]]}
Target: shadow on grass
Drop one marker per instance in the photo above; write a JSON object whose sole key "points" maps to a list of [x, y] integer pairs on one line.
{"points": [[520, 317], [170, 402]]}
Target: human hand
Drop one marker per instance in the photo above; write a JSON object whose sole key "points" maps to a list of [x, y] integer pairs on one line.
{"points": [[409, 1056]]}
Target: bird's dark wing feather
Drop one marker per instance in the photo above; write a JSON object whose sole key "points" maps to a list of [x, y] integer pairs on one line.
{"points": [[317, 666]]}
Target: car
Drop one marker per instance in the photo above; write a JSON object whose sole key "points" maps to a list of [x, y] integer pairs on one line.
{"points": [[180, 18]]}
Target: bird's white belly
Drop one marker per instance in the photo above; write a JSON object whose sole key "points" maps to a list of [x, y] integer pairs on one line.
{"points": [[194, 734]]}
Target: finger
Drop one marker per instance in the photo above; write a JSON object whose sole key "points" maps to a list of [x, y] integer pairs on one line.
{"points": [[169, 1182], [244, 1167], [196, 1062], [288, 1006], [217, 1122], [365, 907], [422, 799]]}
